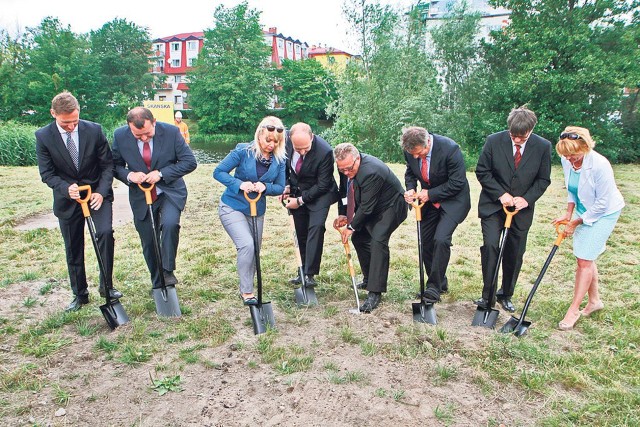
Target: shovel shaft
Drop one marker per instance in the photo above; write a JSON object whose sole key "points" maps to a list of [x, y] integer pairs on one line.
{"points": [[147, 192], [505, 233], [84, 201]]}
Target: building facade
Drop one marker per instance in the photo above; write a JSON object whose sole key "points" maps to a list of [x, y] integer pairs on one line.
{"points": [[335, 60]]}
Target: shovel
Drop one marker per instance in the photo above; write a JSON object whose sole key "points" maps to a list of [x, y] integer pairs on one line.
{"points": [[487, 317], [303, 295], [352, 273], [422, 312], [165, 297], [261, 314], [112, 310], [517, 325]]}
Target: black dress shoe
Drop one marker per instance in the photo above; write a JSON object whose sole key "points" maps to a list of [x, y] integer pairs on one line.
{"points": [[295, 280], [431, 296], [77, 303], [507, 304], [362, 285], [170, 278], [113, 293], [371, 302], [310, 282], [482, 303]]}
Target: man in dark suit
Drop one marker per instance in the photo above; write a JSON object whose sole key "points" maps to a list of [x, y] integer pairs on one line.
{"points": [[514, 170], [73, 152], [311, 189], [372, 208], [169, 158], [437, 163]]}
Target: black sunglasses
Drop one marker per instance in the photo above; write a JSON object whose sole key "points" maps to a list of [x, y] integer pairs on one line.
{"points": [[271, 128], [572, 136]]}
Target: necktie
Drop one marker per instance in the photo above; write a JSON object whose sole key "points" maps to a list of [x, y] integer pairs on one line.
{"points": [[424, 169], [351, 201], [299, 165], [73, 151], [517, 157], [146, 156]]}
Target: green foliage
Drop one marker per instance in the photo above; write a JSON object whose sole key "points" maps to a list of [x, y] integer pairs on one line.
{"points": [[307, 89], [17, 144], [230, 85], [569, 61], [374, 101], [220, 139], [166, 384]]}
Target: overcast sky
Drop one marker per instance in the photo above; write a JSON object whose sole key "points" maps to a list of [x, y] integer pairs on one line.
{"points": [[311, 21]]}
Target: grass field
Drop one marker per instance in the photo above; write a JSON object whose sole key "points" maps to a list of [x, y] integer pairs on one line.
{"points": [[589, 376]]}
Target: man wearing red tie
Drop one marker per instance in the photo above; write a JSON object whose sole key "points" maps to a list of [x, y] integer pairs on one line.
{"points": [[372, 208], [146, 151], [514, 170], [437, 163]]}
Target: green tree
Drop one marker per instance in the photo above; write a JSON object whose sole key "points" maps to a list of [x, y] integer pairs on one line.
{"points": [[393, 86], [306, 90], [12, 60], [231, 84], [120, 50], [56, 59], [569, 60]]}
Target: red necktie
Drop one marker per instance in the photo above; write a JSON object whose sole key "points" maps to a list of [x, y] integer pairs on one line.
{"points": [[146, 156], [517, 157], [351, 201], [424, 170], [299, 165]]}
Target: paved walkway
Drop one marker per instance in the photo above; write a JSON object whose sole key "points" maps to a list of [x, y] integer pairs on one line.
{"points": [[121, 212]]}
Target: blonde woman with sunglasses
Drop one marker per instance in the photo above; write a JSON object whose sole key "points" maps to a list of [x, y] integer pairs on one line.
{"points": [[593, 208], [259, 168]]}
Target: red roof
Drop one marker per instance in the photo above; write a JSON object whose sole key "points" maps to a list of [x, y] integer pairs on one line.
{"points": [[182, 86], [182, 36], [326, 51]]}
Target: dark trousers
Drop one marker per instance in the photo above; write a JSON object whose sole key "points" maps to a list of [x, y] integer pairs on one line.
{"points": [[514, 248], [167, 219], [372, 245], [72, 230], [310, 229], [437, 230]]}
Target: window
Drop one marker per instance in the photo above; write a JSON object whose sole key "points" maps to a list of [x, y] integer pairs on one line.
{"points": [[158, 47], [177, 79], [162, 98], [159, 63], [190, 62], [192, 45], [177, 99], [331, 60], [175, 63], [175, 47]]}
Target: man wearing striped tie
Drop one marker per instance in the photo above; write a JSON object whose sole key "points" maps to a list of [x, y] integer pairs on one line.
{"points": [[437, 163], [73, 152]]}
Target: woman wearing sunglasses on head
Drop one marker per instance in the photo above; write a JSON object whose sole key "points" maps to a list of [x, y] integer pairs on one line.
{"points": [[259, 168], [594, 206]]}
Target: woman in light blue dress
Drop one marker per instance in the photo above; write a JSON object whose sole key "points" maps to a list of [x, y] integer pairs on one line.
{"points": [[593, 208]]}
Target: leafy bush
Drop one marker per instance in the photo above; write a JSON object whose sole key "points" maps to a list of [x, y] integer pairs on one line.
{"points": [[17, 144], [224, 139]]}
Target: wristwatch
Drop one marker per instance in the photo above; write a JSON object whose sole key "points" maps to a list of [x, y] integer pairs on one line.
{"points": [[350, 227], [160, 174], [300, 201]]}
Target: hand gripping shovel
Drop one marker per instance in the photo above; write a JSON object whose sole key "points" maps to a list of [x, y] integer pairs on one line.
{"points": [[352, 273], [112, 310], [261, 314], [303, 294], [487, 317], [165, 297], [517, 325], [422, 312]]}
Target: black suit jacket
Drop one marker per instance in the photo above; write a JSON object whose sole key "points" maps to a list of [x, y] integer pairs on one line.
{"points": [[376, 189], [57, 169], [447, 177], [171, 156], [497, 174], [315, 184]]}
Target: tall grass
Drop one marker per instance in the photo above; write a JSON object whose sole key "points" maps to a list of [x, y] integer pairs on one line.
{"points": [[17, 144]]}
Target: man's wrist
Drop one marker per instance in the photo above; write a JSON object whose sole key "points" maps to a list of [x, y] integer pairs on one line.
{"points": [[350, 227], [160, 174], [300, 201]]}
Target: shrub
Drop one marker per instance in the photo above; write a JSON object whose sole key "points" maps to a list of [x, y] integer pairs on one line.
{"points": [[17, 144], [224, 139]]}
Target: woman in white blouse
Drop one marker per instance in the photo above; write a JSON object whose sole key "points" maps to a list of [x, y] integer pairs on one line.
{"points": [[594, 206]]}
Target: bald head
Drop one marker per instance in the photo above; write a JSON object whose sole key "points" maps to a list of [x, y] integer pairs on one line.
{"points": [[301, 138]]}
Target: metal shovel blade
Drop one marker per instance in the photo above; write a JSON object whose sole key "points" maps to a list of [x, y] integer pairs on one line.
{"points": [[424, 313], [305, 296], [485, 317], [114, 314], [262, 318], [166, 300], [519, 328]]}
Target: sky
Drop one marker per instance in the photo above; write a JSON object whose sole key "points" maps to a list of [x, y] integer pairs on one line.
{"points": [[318, 22]]}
